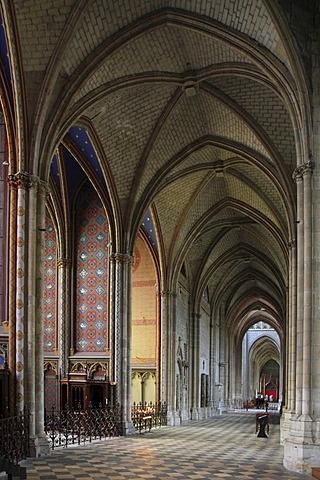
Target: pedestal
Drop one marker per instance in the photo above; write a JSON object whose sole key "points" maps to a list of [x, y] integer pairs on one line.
{"points": [[39, 446], [302, 445]]}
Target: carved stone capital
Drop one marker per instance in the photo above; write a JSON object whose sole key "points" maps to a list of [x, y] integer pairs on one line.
{"points": [[64, 262], [19, 180], [27, 182], [303, 169], [167, 293], [292, 244], [121, 258]]}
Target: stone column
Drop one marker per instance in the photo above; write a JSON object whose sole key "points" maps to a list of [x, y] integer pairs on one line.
{"points": [[307, 288], [222, 362], [301, 446], [292, 329], [195, 381], [297, 176], [123, 334], [168, 354], [238, 367], [303, 176], [290, 352], [128, 265], [29, 284], [246, 392], [12, 275], [212, 358], [21, 182], [32, 346], [158, 385], [113, 340], [40, 445], [163, 307], [65, 327]]}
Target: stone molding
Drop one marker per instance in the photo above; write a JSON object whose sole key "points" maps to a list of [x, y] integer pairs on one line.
{"points": [[303, 169]]}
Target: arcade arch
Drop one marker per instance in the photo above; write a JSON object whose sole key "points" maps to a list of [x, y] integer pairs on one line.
{"points": [[202, 114]]}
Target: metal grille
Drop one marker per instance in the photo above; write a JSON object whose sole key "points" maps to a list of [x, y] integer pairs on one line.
{"points": [[75, 427], [14, 437], [149, 415]]}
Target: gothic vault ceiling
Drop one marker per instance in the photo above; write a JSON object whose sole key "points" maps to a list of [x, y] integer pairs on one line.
{"points": [[191, 110]]}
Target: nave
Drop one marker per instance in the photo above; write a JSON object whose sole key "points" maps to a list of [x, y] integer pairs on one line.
{"points": [[222, 447]]}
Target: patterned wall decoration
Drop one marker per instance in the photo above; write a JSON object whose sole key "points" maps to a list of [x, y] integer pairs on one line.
{"points": [[50, 391], [92, 269], [144, 304], [50, 282]]}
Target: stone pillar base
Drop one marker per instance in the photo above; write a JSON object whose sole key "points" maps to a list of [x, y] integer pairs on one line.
{"points": [[285, 420], [128, 428], [173, 418], [195, 413], [222, 408], [302, 445], [204, 412], [39, 446]]}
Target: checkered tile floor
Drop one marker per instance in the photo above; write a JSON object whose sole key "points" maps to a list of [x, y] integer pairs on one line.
{"points": [[222, 447]]}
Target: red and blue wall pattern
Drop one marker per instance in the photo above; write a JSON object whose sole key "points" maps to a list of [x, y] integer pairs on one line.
{"points": [[50, 392], [50, 282], [92, 271]]}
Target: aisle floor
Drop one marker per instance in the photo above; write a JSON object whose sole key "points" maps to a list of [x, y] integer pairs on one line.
{"points": [[222, 447]]}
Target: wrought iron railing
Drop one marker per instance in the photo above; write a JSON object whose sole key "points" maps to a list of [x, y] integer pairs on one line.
{"points": [[75, 427], [148, 415], [14, 437], [14, 444]]}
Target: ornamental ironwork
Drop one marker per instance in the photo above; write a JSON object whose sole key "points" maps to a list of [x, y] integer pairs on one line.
{"points": [[14, 443], [77, 426], [146, 416]]}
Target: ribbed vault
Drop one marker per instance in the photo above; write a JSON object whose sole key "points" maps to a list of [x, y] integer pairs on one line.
{"points": [[192, 111]]}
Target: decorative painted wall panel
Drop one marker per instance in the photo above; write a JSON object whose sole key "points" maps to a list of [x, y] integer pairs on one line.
{"points": [[50, 287], [92, 271], [144, 314], [50, 391]]}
